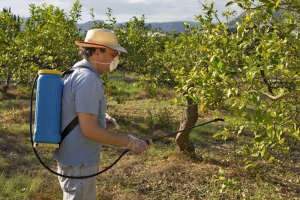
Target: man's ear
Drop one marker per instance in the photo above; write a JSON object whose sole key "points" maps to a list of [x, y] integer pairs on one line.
{"points": [[97, 52]]}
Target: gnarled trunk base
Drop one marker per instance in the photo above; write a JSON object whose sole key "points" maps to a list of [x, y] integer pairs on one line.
{"points": [[190, 117], [5, 87]]}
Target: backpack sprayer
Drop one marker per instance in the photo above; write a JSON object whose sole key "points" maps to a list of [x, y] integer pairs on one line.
{"points": [[47, 127], [48, 109]]}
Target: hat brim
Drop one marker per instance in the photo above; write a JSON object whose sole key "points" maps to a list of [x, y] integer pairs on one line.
{"points": [[90, 44]]}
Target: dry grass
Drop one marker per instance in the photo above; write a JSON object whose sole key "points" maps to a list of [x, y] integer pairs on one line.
{"points": [[163, 172]]}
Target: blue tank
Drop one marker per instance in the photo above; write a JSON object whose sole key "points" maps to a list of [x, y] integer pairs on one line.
{"points": [[48, 107]]}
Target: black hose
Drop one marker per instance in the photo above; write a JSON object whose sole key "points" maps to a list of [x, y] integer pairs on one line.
{"points": [[111, 165]]}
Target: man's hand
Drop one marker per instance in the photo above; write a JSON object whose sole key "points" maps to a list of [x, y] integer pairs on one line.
{"points": [[136, 145], [111, 122]]}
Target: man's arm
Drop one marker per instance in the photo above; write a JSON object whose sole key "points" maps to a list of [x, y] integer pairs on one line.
{"points": [[90, 129]]}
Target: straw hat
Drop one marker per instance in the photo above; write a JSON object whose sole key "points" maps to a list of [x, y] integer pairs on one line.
{"points": [[101, 38]]}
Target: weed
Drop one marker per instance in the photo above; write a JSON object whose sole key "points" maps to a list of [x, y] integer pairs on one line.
{"points": [[227, 184], [158, 119], [3, 128], [24, 186], [16, 116]]}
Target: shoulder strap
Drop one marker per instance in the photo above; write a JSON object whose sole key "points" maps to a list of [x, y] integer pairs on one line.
{"points": [[69, 128], [71, 70], [75, 121]]}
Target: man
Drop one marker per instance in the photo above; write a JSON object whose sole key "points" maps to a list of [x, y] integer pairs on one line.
{"points": [[83, 96]]}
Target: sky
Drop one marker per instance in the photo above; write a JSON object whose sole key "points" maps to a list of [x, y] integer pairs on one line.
{"points": [[124, 10]]}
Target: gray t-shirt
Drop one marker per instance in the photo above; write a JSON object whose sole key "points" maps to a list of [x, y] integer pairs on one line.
{"points": [[83, 92]]}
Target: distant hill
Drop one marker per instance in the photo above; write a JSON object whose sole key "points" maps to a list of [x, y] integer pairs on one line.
{"points": [[165, 26], [169, 26]]}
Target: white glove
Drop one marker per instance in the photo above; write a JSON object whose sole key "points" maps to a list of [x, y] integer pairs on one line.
{"points": [[136, 145], [111, 122]]}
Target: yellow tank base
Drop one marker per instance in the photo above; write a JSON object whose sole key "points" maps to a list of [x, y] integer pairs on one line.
{"points": [[45, 146]]}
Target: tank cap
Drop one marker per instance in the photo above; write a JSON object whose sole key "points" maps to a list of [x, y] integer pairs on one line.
{"points": [[49, 71]]}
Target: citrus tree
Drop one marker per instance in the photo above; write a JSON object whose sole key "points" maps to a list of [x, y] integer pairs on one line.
{"points": [[146, 48], [253, 72], [10, 27], [268, 102], [47, 39]]}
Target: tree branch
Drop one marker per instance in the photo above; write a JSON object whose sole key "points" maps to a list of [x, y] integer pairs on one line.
{"points": [[278, 98]]}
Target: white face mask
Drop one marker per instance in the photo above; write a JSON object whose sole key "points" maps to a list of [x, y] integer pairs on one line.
{"points": [[113, 65]]}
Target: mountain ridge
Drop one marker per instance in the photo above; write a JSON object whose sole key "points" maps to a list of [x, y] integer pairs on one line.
{"points": [[176, 26]]}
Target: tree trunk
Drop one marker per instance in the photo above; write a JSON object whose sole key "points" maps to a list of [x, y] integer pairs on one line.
{"points": [[190, 117], [5, 87]]}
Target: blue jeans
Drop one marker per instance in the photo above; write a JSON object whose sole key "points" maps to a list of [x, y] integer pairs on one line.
{"points": [[77, 189]]}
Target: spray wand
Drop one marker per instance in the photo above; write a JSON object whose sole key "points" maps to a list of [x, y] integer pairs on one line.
{"points": [[149, 141]]}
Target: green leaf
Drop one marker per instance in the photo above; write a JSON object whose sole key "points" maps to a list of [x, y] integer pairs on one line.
{"points": [[281, 141], [229, 3], [220, 65], [256, 154], [278, 2], [228, 93], [273, 114], [221, 172], [236, 180], [224, 41], [259, 139], [264, 152], [289, 15]]}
